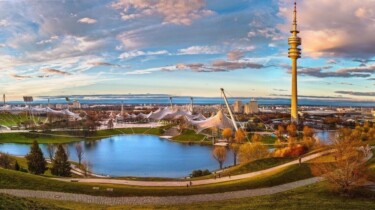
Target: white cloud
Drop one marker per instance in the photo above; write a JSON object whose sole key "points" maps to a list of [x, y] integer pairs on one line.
{"points": [[137, 53], [4, 23], [172, 11], [193, 50], [337, 28], [87, 20]]}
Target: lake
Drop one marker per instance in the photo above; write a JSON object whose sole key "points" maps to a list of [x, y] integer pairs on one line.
{"points": [[137, 155]]}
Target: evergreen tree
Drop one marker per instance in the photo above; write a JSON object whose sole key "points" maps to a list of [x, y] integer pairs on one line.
{"points": [[35, 160], [60, 164], [16, 166]]}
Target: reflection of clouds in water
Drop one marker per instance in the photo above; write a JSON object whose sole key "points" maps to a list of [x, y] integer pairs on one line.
{"points": [[326, 136]]}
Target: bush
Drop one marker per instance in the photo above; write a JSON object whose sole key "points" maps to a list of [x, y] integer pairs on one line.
{"points": [[198, 173], [253, 151], [6, 161], [294, 151]]}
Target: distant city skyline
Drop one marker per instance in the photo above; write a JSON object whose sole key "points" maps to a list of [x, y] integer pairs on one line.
{"points": [[185, 48]]}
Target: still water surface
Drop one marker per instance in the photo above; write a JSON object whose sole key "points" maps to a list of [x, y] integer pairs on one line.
{"points": [[137, 155]]}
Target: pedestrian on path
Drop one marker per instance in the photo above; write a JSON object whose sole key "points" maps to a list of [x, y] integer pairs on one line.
{"points": [[191, 183]]}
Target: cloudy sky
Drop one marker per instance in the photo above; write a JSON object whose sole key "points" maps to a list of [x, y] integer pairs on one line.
{"points": [[185, 47]]}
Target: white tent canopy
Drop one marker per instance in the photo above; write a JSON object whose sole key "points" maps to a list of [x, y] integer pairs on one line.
{"points": [[218, 121], [38, 110]]}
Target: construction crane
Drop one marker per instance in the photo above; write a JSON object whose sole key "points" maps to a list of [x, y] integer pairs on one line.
{"points": [[191, 105], [170, 101], [229, 109]]}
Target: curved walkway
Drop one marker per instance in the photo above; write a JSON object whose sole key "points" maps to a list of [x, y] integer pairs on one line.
{"points": [[146, 200], [195, 182]]}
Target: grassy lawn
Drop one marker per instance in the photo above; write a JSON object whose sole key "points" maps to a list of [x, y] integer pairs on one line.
{"points": [[189, 136], [65, 137], [12, 202], [28, 138], [13, 119], [308, 197], [252, 166], [267, 139], [19, 180], [258, 165]]}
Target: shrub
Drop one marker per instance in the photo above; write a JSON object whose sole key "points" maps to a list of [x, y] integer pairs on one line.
{"points": [[5, 161], [252, 151], [294, 151], [198, 173]]}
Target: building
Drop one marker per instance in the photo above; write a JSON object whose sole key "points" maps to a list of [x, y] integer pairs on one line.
{"points": [[62, 106], [252, 107], [76, 104], [237, 107], [294, 53]]}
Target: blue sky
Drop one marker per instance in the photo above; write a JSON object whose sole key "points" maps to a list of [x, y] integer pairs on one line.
{"points": [[185, 47]]}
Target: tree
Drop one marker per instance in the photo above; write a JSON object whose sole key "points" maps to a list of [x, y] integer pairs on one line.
{"points": [[5, 161], [79, 152], [235, 147], [110, 124], [86, 165], [256, 138], [253, 151], [348, 170], [240, 136], [308, 132], [227, 133], [35, 160], [308, 137], [51, 151], [292, 130], [60, 164], [17, 166], [220, 154], [280, 131]]}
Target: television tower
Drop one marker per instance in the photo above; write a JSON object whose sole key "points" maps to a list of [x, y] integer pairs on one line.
{"points": [[294, 53]]}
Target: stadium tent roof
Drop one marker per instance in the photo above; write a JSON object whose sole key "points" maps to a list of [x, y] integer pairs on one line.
{"points": [[197, 117], [144, 116], [40, 110], [218, 121], [160, 113]]}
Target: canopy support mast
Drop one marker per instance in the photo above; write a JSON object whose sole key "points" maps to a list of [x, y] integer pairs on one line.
{"points": [[229, 109]]}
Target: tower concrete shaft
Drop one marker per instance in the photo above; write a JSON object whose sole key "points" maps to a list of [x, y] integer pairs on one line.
{"points": [[294, 53]]}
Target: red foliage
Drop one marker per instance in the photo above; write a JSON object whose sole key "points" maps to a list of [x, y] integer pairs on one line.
{"points": [[294, 151]]}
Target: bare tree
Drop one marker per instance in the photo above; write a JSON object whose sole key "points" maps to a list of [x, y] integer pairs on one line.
{"points": [[86, 165], [79, 152], [110, 124], [348, 170], [51, 148], [220, 154]]}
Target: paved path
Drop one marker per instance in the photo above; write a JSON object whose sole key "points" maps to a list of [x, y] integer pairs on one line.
{"points": [[145, 200], [196, 182]]}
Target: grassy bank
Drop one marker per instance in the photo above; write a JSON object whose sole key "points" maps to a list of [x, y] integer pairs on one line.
{"points": [[68, 137], [191, 137], [19, 180], [308, 197], [12, 202]]}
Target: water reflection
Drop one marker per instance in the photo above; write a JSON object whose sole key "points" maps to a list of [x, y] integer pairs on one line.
{"points": [[137, 155]]}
